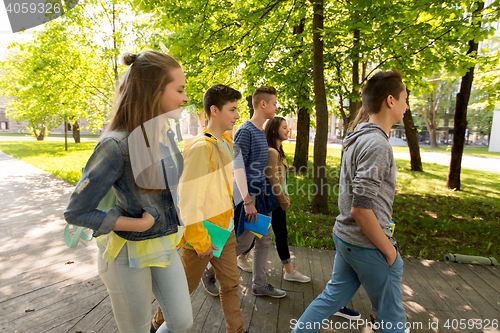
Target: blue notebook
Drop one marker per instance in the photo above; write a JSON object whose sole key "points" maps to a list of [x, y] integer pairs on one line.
{"points": [[260, 227], [218, 236]]}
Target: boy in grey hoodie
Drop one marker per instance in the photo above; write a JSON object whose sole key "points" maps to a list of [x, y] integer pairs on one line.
{"points": [[366, 252]]}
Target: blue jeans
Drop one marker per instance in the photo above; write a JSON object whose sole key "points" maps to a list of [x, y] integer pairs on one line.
{"points": [[131, 291], [355, 266]]}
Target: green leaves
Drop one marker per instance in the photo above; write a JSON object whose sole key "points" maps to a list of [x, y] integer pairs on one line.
{"points": [[59, 76]]}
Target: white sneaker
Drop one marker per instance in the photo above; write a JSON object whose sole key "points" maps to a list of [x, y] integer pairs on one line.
{"points": [[244, 265], [296, 277]]}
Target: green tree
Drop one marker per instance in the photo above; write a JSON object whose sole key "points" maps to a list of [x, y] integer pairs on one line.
{"points": [[431, 105], [474, 35], [253, 43], [55, 79], [77, 78], [479, 115], [319, 203]]}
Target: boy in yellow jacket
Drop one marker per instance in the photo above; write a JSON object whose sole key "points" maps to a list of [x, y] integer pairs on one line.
{"points": [[206, 193]]}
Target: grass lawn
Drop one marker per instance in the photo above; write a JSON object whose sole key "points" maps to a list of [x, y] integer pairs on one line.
{"points": [[15, 134], [468, 150], [430, 219], [51, 157]]}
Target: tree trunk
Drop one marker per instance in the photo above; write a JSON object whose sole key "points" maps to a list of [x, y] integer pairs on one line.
{"points": [[250, 105], [76, 132], [300, 160], [345, 117], [353, 102], [65, 135], [319, 204], [412, 139], [433, 108], [460, 125], [178, 130], [430, 124], [364, 64], [115, 58], [41, 135], [432, 137]]}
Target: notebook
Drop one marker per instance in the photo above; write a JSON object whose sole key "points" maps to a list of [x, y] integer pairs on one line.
{"points": [[218, 236], [260, 226]]}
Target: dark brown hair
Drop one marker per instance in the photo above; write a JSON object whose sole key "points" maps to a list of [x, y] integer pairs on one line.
{"points": [[262, 94], [219, 95], [272, 129], [376, 90], [138, 96]]}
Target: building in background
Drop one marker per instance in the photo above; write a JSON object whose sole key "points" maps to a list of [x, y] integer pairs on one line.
{"points": [[495, 133]]}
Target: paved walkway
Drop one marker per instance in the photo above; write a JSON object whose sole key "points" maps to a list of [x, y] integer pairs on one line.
{"points": [[468, 161], [46, 287]]}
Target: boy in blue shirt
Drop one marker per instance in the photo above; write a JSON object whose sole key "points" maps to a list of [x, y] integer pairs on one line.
{"points": [[251, 158]]}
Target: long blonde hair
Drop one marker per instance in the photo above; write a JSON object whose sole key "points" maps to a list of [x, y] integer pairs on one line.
{"points": [[138, 95], [362, 117]]}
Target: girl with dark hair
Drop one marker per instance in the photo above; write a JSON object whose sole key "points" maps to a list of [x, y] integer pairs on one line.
{"points": [[276, 171], [137, 237]]}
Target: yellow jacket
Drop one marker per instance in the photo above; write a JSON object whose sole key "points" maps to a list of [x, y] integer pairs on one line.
{"points": [[205, 189]]}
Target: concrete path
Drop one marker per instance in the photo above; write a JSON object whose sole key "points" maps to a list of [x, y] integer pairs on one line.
{"points": [[468, 161]]}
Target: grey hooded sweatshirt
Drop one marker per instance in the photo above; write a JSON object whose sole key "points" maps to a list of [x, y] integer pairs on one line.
{"points": [[367, 180]]}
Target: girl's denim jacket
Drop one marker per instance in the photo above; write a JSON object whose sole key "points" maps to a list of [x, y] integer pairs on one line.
{"points": [[109, 166]]}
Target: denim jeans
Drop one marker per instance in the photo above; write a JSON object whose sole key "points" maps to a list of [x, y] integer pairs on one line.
{"points": [[131, 291], [110, 166], [355, 266]]}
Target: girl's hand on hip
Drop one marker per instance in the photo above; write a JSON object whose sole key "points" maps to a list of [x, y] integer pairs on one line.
{"points": [[139, 224], [146, 222]]}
